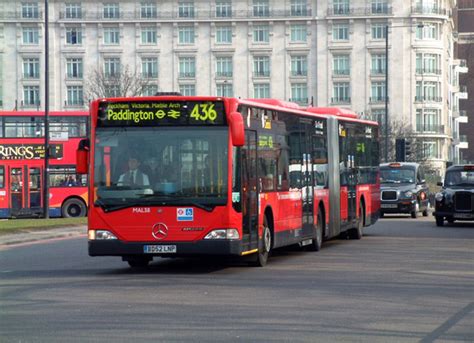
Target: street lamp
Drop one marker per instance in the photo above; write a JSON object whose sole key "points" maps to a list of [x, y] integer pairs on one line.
{"points": [[46, 113], [386, 83]]}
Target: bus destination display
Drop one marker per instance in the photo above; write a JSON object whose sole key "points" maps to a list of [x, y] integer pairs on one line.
{"points": [[161, 113]]}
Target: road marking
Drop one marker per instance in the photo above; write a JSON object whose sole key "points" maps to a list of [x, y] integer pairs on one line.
{"points": [[438, 332]]}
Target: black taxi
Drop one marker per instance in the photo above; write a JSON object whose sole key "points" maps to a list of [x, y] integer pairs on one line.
{"points": [[456, 199], [403, 189]]}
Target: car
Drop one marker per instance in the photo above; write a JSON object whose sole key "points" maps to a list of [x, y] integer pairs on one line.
{"points": [[455, 201], [403, 189]]}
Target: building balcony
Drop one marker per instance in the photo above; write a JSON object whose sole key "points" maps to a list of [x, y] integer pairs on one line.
{"points": [[430, 129], [150, 75], [224, 74], [264, 73], [187, 75], [375, 10], [377, 99], [31, 76], [341, 72], [300, 101], [429, 10], [377, 71], [428, 98], [340, 100], [428, 71], [462, 92], [299, 73], [462, 118], [20, 15]]}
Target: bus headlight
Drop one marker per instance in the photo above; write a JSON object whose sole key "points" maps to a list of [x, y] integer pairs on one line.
{"points": [[439, 196], [223, 234], [100, 235]]}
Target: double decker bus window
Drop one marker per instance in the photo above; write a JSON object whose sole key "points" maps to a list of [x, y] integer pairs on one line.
{"points": [[65, 176], [2, 177], [24, 127], [72, 126]]}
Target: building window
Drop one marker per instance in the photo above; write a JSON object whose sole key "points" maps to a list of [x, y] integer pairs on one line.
{"points": [[261, 34], [299, 65], [148, 10], [428, 64], [429, 31], [111, 67], [75, 96], [261, 8], [30, 35], [186, 35], [187, 67], [224, 89], [224, 66], [378, 115], [428, 120], [186, 9], [298, 8], [298, 33], [299, 93], [149, 35], [187, 90], [112, 91], [378, 31], [430, 149], [341, 93], [377, 92], [150, 90], [341, 65], [150, 67], [111, 10], [379, 7], [29, 10], [340, 32], [378, 64], [74, 68], [341, 7], [261, 66], [73, 11], [111, 35], [31, 96], [31, 68], [428, 91], [74, 35], [223, 34], [223, 8], [261, 90]]}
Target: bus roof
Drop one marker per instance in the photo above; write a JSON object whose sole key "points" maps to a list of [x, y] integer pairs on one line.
{"points": [[335, 111]]}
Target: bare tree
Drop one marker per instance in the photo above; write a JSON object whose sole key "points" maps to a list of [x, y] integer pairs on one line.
{"points": [[123, 83]]}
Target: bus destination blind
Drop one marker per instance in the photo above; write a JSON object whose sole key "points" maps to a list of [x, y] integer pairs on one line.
{"points": [[161, 113]]}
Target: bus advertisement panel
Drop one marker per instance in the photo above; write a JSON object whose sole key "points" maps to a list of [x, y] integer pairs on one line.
{"points": [[22, 164], [178, 176]]}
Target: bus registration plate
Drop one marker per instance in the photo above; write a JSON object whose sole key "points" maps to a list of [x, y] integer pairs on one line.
{"points": [[159, 249]]}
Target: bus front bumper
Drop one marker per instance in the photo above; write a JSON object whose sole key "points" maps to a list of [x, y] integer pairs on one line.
{"points": [[174, 249]]}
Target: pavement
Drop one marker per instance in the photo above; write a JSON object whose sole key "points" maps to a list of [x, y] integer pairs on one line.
{"points": [[30, 236]]}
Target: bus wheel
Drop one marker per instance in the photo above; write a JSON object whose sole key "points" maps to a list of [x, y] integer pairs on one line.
{"points": [[73, 208], [262, 256], [318, 240], [357, 233], [415, 211]]}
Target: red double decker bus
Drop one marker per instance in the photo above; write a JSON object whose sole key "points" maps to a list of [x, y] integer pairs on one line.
{"points": [[178, 176], [22, 164]]}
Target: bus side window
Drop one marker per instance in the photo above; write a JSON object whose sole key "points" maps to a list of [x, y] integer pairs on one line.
{"points": [[2, 177]]}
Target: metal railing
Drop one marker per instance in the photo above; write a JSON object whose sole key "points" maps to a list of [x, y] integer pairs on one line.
{"points": [[224, 74], [377, 99], [420, 71], [264, 73], [341, 100], [187, 74], [299, 100], [361, 11], [299, 73], [430, 128], [420, 9], [341, 72], [428, 98]]}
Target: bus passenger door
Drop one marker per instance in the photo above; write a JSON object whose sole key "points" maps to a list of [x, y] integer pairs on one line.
{"points": [[250, 190], [25, 191], [307, 179], [34, 188], [351, 192], [17, 190]]}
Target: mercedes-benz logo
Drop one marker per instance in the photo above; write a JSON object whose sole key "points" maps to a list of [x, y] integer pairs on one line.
{"points": [[159, 231]]}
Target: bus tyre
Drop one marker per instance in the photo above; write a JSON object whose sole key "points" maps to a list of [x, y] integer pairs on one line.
{"points": [[318, 239], [73, 208], [266, 245], [358, 232], [439, 221]]}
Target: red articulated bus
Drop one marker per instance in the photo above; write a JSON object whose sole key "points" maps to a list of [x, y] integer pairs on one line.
{"points": [[22, 164], [179, 176]]}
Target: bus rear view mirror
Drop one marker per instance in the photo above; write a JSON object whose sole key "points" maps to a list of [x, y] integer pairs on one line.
{"points": [[237, 129], [82, 157]]}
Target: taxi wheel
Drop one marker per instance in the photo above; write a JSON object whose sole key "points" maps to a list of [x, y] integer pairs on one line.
{"points": [[414, 213], [450, 220], [439, 221]]}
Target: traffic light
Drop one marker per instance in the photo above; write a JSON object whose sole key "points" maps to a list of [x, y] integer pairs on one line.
{"points": [[408, 150], [400, 149]]}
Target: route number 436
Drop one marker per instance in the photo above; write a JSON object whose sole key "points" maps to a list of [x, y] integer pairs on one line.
{"points": [[204, 112]]}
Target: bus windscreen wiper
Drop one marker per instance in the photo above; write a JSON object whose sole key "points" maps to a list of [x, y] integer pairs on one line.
{"points": [[168, 200], [115, 207]]}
